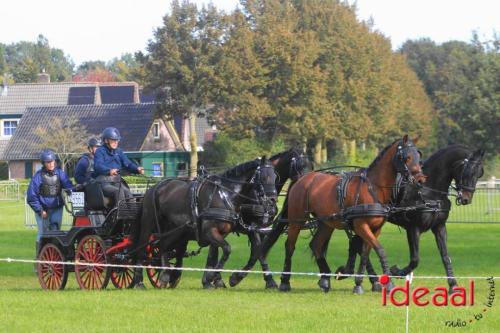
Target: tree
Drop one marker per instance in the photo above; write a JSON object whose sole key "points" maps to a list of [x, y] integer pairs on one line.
{"points": [[462, 81], [93, 71], [309, 71], [128, 67], [180, 63], [25, 60], [65, 136]]}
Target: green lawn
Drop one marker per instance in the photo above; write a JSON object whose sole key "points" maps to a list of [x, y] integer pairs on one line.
{"points": [[248, 307]]}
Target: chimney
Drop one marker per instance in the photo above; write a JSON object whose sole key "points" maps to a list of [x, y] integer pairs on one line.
{"points": [[43, 77]]}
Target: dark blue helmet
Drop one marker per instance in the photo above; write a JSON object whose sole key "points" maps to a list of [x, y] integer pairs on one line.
{"points": [[93, 142], [47, 155], [111, 133]]}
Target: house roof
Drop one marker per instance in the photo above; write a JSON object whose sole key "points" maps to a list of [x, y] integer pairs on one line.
{"points": [[132, 120], [15, 98], [3, 145]]}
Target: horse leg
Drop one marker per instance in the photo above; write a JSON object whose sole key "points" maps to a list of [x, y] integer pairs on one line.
{"points": [[441, 239], [208, 277], [358, 280], [319, 246], [268, 277], [217, 240], [413, 236], [355, 248], [293, 233], [175, 275], [363, 229]]}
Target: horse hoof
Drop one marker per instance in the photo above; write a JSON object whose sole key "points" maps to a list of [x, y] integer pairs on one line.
{"points": [[235, 279], [164, 277], [208, 286], [376, 287], [358, 290], [140, 286], [174, 284], [285, 287], [388, 287], [396, 271], [219, 284], [271, 284], [324, 284], [340, 270], [452, 290]]}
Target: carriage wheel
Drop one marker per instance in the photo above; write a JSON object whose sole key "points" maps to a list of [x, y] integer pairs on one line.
{"points": [[122, 277], [154, 273], [52, 276], [154, 277], [91, 250]]}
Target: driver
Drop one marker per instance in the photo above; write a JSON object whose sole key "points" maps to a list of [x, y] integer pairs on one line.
{"points": [[108, 161]]}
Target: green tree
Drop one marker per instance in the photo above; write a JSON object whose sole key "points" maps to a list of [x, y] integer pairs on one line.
{"points": [[181, 61], [25, 60], [128, 67], [462, 81]]}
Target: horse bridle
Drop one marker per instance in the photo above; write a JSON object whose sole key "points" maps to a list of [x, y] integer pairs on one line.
{"points": [[264, 193], [460, 182], [296, 167], [264, 190], [400, 158]]}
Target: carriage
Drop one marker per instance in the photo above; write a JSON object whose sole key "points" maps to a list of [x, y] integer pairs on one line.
{"points": [[91, 244]]}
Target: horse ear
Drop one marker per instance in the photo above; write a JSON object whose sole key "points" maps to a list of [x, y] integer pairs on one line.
{"points": [[405, 139], [263, 160]]}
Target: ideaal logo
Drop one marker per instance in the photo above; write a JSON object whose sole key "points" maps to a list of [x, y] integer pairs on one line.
{"points": [[422, 296], [418, 296]]}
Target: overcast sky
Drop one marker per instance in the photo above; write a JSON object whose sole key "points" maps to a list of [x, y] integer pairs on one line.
{"points": [[103, 29]]}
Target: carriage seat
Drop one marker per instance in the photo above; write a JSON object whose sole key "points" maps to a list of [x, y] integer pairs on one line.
{"points": [[95, 199]]}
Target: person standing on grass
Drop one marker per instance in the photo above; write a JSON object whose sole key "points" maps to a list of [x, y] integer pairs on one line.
{"points": [[44, 194]]}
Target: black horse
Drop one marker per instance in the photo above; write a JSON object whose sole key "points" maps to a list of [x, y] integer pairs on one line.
{"points": [[290, 164], [423, 208], [205, 210]]}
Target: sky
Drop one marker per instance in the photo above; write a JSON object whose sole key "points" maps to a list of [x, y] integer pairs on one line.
{"points": [[104, 29]]}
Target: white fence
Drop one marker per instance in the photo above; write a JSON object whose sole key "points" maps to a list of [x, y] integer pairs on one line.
{"points": [[9, 190]]}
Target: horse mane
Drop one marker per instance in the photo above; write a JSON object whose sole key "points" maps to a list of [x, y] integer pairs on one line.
{"points": [[445, 150], [283, 153], [241, 169], [379, 156]]}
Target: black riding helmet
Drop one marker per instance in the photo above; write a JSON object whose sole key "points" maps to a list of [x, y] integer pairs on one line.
{"points": [[110, 133], [93, 142]]}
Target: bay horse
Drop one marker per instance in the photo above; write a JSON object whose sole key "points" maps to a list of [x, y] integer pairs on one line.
{"points": [[431, 208], [288, 165], [326, 197], [204, 210]]}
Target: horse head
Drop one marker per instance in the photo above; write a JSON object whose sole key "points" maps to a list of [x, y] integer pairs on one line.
{"points": [[466, 172], [406, 160]]}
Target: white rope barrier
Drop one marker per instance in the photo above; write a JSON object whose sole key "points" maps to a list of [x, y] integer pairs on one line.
{"points": [[194, 269]]}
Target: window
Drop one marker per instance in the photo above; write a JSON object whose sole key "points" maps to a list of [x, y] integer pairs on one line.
{"points": [[157, 169], [9, 127], [156, 130]]}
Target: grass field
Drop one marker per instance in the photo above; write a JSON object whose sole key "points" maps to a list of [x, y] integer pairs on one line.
{"points": [[248, 307]]}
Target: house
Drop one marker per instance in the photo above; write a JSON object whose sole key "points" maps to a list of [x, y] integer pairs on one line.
{"points": [[14, 99], [147, 139]]}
